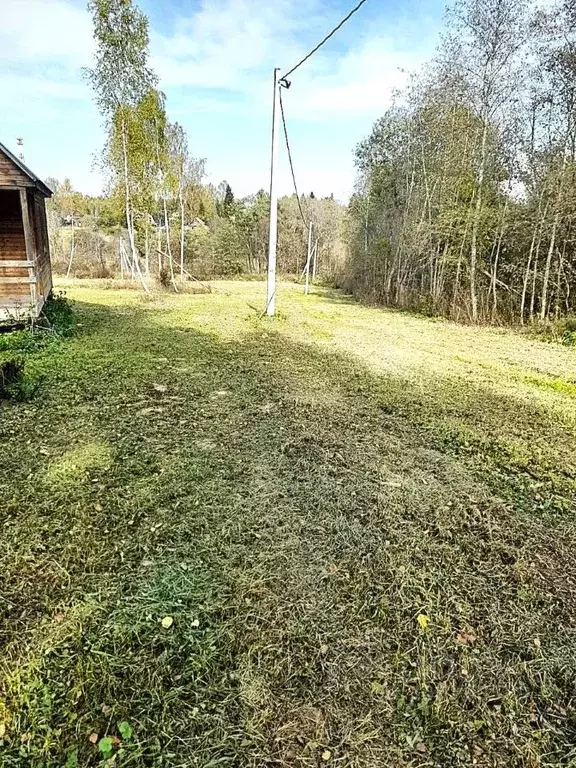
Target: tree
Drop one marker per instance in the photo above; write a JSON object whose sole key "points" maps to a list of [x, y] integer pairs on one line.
{"points": [[121, 79], [228, 201], [482, 48], [179, 162]]}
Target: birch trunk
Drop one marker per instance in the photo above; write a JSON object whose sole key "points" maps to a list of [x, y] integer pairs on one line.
{"points": [[475, 226], [182, 234]]}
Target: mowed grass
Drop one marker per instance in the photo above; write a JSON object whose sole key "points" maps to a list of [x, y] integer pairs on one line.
{"points": [[342, 537]]}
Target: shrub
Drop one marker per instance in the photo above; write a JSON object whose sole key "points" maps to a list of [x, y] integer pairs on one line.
{"points": [[58, 315], [15, 384]]}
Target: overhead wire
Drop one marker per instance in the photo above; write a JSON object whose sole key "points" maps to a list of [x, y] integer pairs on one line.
{"points": [[290, 158], [325, 40], [283, 81]]}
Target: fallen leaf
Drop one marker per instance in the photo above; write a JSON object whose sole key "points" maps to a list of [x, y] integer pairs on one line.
{"points": [[423, 621], [326, 755], [421, 747], [466, 637], [2, 730], [167, 622], [537, 642], [98, 507], [106, 709], [59, 618], [93, 738], [160, 388]]}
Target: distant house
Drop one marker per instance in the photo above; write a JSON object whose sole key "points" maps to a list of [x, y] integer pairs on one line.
{"points": [[25, 271]]}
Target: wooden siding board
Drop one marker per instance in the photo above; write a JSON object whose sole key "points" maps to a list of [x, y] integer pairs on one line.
{"points": [[12, 248], [11, 175], [43, 265], [25, 269]]}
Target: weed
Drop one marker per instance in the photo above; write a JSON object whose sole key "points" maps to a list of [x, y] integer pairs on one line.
{"points": [[58, 315], [15, 384]]}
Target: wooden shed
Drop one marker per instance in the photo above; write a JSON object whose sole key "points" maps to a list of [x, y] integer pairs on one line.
{"points": [[25, 271]]}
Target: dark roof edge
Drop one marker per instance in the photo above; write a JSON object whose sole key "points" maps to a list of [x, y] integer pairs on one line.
{"points": [[32, 176]]}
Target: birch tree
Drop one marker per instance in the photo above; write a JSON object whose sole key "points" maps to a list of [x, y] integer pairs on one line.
{"points": [[121, 78], [484, 46]]}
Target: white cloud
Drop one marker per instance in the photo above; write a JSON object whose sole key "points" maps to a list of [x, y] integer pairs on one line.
{"points": [[234, 44], [361, 84], [215, 64], [43, 44], [34, 31], [225, 41]]}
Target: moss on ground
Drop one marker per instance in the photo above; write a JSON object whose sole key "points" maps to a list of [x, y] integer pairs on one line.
{"points": [[341, 537]]}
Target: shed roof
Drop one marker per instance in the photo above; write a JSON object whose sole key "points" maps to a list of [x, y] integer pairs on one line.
{"points": [[26, 171]]}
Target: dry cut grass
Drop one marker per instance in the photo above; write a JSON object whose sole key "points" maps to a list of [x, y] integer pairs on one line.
{"points": [[341, 537]]}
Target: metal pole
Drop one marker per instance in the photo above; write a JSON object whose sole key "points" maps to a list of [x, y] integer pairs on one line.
{"points": [[307, 289], [273, 235]]}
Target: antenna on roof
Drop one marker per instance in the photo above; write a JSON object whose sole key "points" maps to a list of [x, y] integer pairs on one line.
{"points": [[20, 142]]}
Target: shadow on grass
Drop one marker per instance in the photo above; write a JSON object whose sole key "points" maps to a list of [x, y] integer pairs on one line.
{"points": [[355, 567]]}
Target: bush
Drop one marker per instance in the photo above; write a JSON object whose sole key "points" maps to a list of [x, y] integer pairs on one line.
{"points": [[58, 315], [15, 384], [562, 330], [57, 321]]}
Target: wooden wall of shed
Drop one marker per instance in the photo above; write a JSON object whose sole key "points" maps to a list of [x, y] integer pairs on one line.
{"points": [[12, 248], [43, 269], [11, 175]]}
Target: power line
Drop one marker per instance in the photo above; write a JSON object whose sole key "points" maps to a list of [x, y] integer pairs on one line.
{"points": [[290, 158], [313, 51]]}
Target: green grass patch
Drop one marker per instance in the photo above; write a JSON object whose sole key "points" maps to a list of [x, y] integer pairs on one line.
{"points": [[341, 537]]}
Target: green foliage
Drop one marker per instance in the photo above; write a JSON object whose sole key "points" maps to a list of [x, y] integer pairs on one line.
{"points": [[125, 730], [59, 315], [229, 249], [472, 188], [106, 746], [228, 205], [15, 383], [121, 76]]}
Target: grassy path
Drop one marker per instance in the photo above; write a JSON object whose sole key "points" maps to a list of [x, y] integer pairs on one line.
{"points": [[358, 527]]}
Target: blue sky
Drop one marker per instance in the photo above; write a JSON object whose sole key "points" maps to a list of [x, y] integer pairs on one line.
{"points": [[215, 59]]}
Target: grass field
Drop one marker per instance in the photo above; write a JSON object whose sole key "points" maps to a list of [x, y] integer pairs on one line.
{"points": [[342, 537]]}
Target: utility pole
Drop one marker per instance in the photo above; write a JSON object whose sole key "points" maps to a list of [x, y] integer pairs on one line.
{"points": [[273, 235], [307, 289]]}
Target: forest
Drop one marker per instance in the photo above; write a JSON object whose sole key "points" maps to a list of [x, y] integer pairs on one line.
{"points": [[464, 204], [465, 201], [159, 220]]}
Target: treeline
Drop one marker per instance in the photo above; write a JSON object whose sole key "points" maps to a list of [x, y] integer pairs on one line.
{"points": [[159, 220], [209, 233], [466, 198]]}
